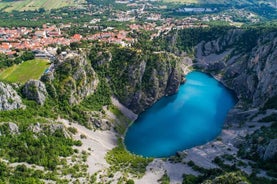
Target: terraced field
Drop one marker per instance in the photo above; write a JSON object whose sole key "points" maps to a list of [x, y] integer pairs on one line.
{"points": [[8, 5], [21, 73]]}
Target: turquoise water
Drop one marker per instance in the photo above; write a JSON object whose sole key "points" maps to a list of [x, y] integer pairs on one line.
{"points": [[194, 116]]}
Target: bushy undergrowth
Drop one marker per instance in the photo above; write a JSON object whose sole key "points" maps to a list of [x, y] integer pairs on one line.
{"points": [[121, 160]]}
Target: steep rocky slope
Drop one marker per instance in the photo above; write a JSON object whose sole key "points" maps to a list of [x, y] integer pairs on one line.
{"points": [[250, 72], [72, 79], [138, 79], [9, 99], [35, 90], [246, 62], [78, 89]]}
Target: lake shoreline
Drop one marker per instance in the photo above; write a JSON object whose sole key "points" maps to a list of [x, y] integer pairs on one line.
{"points": [[180, 112]]}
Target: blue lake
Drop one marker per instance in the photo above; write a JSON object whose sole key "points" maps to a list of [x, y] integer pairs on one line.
{"points": [[194, 116]]}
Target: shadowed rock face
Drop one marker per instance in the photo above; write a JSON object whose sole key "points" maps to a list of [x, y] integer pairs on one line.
{"points": [[251, 73], [271, 150], [244, 61], [9, 99], [35, 90], [139, 79], [163, 81]]}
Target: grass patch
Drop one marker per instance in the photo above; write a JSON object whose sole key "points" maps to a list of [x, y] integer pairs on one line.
{"points": [[23, 72], [121, 160], [35, 4], [164, 179], [124, 121]]}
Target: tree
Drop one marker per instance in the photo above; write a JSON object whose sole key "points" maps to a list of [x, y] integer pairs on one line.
{"points": [[41, 10], [28, 55]]}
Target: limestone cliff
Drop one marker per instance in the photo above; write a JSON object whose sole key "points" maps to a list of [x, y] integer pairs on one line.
{"points": [[251, 71], [138, 79], [72, 79], [35, 90], [246, 62], [9, 99]]}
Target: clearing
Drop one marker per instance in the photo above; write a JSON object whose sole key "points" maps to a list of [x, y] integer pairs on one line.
{"points": [[22, 5], [23, 72]]}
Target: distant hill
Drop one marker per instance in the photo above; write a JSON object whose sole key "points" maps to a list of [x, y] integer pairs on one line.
{"points": [[21, 5]]}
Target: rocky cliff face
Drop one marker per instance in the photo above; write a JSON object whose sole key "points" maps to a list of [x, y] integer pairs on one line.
{"points": [[271, 150], [248, 65], [72, 79], [138, 79], [250, 72], [148, 85], [9, 99], [35, 90]]}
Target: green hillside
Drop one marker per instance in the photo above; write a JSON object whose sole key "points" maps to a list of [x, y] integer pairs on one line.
{"points": [[9, 5]]}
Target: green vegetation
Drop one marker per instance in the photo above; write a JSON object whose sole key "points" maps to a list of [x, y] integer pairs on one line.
{"points": [[94, 102], [271, 103], [71, 78], [260, 139], [229, 178], [100, 98], [123, 60], [20, 174], [189, 179], [181, 1], [121, 160], [23, 5], [6, 62], [32, 148], [113, 65], [47, 146], [164, 179], [258, 180], [270, 118], [187, 39], [124, 122], [32, 114], [219, 177], [200, 1], [21, 73]]}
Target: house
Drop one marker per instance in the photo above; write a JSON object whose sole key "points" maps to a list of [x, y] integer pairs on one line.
{"points": [[77, 37], [5, 46], [40, 34]]}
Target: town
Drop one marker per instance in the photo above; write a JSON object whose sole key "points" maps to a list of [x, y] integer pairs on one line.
{"points": [[138, 16], [22, 38]]}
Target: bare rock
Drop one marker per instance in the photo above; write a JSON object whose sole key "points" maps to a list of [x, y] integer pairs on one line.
{"points": [[36, 128], [35, 90], [271, 150], [173, 83], [73, 79], [9, 99], [59, 127], [13, 128]]}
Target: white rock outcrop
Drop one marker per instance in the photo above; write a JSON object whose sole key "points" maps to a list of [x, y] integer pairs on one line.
{"points": [[9, 99]]}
